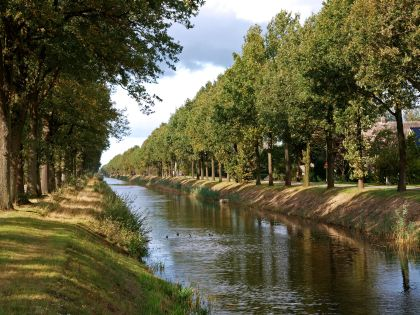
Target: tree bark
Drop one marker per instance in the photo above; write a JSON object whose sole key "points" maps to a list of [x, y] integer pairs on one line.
{"points": [[228, 177], [201, 169], [43, 170], [220, 172], [402, 150], [288, 174], [20, 180], [257, 163], [33, 180], [192, 169], [307, 160], [5, 197], [207, 170], [330, 160], [213, 170], [270, 160]]}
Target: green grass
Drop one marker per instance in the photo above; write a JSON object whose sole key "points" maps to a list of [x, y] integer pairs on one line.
{"points": [[389, 193], [59, 266]]}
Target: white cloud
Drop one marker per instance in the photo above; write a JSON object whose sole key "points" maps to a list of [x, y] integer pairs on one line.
{"points": [[173, 90], [262, 10]]}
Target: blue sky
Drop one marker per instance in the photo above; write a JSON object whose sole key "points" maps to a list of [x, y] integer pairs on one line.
{"points": [[219, 30]]}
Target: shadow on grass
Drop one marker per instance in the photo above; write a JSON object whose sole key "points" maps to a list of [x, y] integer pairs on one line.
{"points": [[50, 267]]}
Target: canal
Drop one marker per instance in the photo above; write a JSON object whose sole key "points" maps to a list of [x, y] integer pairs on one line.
{"points": [[249, 262]]}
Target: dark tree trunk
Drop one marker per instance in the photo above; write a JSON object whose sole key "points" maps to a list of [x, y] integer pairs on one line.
{"points": [[270, 160], [220, 172], [402, 150], [287, 163], [51, 176], [201, 168], [307, 161], [20, 181], [207, 170], [213, 170], [257, 163], [330, 160], [198, 170], [5, 141], [58, 173], [192, 168], [360, 180]]}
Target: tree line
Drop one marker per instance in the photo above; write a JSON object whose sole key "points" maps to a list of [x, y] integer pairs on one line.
{"points": [[299, 98], [59, 60]]}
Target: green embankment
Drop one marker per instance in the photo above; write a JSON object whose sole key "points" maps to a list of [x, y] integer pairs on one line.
{"points": [[52, 261], [378, 212]]}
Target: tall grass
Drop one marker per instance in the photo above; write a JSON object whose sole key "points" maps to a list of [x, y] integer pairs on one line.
{"points": [[120, 225], [405, 232]]}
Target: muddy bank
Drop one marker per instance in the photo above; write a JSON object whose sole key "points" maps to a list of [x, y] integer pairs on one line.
{"points": [[372, 211]]}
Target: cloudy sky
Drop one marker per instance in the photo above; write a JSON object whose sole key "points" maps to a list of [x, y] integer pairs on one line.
{"points": [[218, 31]]}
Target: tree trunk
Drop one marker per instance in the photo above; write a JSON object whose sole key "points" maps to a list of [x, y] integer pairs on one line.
{"points": [[288, 174], [58, 172], [43, 170], [207, 170], [201, 169], [20, 181], [307, 160], [51, 176], [33, 180], [213, 170], [402, 150], [270, 160], [198, 170], [228, 177], [220, 172], [5, 197], [257, 163], [330, 160], [192, 169], [361, 166]]}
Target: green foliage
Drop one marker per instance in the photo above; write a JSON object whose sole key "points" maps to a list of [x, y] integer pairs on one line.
{"points": [[295, 87], [122, 225]]}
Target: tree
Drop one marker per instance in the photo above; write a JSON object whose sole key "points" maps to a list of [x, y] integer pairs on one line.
{"points": [[384, 54], [239, 112], [122, 42]]}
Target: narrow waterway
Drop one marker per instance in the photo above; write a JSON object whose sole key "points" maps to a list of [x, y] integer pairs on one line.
{"points": [[247, 262]]}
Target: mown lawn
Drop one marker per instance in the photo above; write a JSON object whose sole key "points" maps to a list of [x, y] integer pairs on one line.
{"points": [[53, 266]]}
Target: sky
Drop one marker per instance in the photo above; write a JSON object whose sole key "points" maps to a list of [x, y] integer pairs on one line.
{"points": [[218, 31]]}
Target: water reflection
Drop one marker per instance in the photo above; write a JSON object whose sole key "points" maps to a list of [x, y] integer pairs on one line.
{"points": [[249, 262]]}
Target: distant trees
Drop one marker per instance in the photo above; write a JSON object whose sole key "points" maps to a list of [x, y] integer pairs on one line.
{"points": [[305, 96], [45, 45]]}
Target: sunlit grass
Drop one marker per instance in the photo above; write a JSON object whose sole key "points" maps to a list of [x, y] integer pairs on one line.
{"points": [[52, 263]]}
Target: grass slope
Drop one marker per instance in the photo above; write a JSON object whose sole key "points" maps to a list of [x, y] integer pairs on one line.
{"points": [[375, 211], [51, 263]]}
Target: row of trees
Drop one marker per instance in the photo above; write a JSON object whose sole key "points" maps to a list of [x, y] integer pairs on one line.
{"points": [[298, 90], [58, 60]]}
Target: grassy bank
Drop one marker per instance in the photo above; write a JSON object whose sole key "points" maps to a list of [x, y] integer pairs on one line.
{"points": [[380, 213], [61, 256]]}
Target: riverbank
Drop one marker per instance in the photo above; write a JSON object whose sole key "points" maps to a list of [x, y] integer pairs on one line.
{"points": [[379, 213], [54, 260]]}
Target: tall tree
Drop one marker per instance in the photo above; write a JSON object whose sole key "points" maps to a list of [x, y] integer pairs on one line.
{"points": [[384, 54]]}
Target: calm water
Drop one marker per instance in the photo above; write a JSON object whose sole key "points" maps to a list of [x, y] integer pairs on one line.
{"points": [[250, 263]]}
